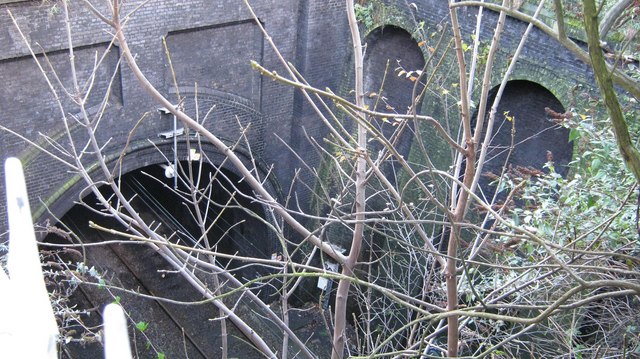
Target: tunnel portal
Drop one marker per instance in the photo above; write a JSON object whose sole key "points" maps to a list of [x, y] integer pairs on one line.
{"points": [[524, 134], [235, 226]]}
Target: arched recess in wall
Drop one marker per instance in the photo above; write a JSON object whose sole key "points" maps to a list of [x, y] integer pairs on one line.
{"points": [[537, 138], [389, 50]]}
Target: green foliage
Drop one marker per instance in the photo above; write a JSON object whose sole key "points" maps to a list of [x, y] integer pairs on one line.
{"points": [[593, 209], [142, 326], [364, 14], [597, 194], [378, 13]]}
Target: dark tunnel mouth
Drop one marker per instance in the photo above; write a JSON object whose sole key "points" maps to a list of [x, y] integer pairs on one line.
{"points": [[537, 138], [146, 283], [228, 206], [236, 222]]}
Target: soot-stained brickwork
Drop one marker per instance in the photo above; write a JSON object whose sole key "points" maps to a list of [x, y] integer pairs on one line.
{"points": [[211, 43], [222, 62]]}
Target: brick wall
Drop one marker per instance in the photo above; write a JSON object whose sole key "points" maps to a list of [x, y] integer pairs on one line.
{"points": [[211, 43]]}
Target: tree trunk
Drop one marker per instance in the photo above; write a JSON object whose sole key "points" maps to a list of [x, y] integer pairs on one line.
{"points": [[629, 153]]}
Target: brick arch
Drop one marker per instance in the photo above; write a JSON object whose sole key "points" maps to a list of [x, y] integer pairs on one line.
{"points": [[396, 46], [138, 267], [141, 154], [536, 136], [224, 113], [227, 114], [564, 91]]}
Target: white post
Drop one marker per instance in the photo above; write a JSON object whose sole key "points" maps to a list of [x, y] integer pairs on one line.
{"points": [[116, 338], [29, 328]]}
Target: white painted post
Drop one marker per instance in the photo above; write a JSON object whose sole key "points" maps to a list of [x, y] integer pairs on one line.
{"points": [[28, 326], [116, 339]]}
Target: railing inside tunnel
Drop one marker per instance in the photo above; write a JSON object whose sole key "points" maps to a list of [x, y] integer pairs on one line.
{"points": [[28, 327]]}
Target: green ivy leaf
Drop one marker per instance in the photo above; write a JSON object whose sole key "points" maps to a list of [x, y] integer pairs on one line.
{"points": [[574, 134], [142, 326]]}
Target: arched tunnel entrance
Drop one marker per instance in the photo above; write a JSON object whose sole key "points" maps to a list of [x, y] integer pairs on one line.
{"points": [[524, 134], [185, 323], [391, 63], [229, 220]]}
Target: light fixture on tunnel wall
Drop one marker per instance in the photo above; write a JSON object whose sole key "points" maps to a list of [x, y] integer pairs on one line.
{"points": [[170, 134], [194, 155], [171, 171]]}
